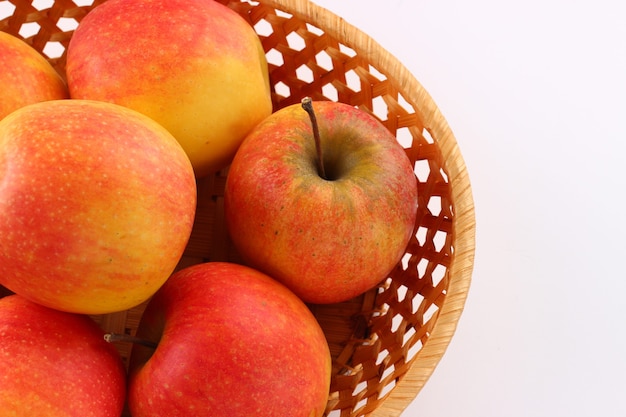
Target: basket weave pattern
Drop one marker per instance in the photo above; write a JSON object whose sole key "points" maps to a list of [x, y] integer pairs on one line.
{"points": [[385, 343]]}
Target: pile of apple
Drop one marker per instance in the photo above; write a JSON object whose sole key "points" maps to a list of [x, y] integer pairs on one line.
{"points": [[97, 202]]}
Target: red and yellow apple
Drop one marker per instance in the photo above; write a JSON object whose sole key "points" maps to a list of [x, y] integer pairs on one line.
{"points": [[26, 77], [56, 364], [332, 236], [97, 204], [194, 66], [231, 342]]}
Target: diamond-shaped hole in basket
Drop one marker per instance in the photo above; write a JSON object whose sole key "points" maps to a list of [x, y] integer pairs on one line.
{"points": [[439, 240], [438, 273], [282, 13], [408, 334], [304, 73], [282, 89], [330, 92], [405, 104], [443, 174], [67, 24], [376, 74], [346, 50], [274, 57], [427, 137], [434, 205], [360, 388], [414, 349], [295, 41], [388, 371], [314, 29], [379, 108], [42, 4], [404, 137], [53, 49], [430, 312], [396, 322], [29, 29], [422, 265], [416, 302], [422, 170], [6, 9], [405, 262], [381, 356], [353, 81], [402, 289], [324, 60], [263, 28], [420, 235]]}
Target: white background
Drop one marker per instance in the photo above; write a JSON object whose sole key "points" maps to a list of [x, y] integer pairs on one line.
{"points": [[535, 92]]}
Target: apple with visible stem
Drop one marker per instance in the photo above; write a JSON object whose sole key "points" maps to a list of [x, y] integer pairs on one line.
{"points": [[231, 341], [56, 364], [195, 66], [97, 203], [26, 76], [323, 200]]}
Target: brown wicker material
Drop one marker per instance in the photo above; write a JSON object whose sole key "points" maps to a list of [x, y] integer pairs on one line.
{"points": [[387, 342]]}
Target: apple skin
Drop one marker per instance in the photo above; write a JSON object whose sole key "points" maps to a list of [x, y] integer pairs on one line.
{"points": [[232, 342], [327, 240], [56, 364], [97, 203], [26, 76], [194, 66]]}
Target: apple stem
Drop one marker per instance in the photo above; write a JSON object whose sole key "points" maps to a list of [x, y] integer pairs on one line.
{"points": [[307, 105], [117, 337]]}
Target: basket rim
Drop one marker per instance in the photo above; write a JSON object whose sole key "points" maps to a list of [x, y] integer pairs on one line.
{"points": [[461, 267]]}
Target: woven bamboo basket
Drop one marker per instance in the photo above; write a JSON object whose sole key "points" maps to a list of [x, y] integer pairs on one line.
{"points": [[387, 342]]}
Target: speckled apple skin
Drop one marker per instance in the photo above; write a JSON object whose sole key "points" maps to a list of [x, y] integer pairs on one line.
{"points": [[327, 240], [56, 364], [97, 203], [233, 342], [25, 76], [194, 66]]}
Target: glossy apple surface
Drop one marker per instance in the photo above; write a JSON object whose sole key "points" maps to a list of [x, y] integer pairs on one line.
{"points": [[26, 77], [232, 342], [97, 203], [327, 239], [56, 364], [194, 66]]}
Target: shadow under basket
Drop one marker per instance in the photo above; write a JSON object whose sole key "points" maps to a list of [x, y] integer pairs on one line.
{"points": [[387, 342]]}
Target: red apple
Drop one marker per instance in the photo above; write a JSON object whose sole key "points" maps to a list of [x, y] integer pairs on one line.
{"points": [[231, 342], [56, 364], [26, 77], [328, 237], [194, 66], [97, 203]]}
